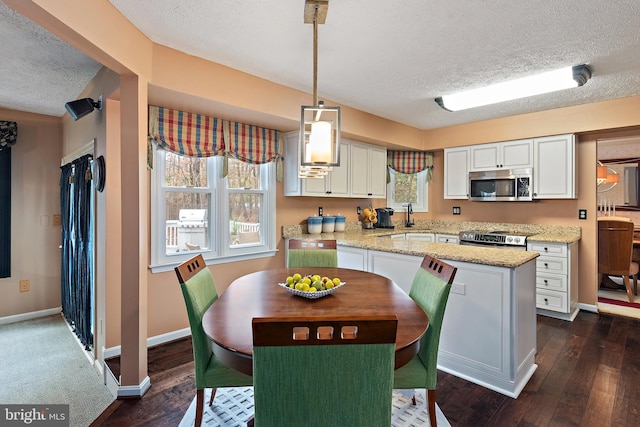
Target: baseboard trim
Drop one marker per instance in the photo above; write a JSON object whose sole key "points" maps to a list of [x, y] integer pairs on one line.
{"points": [[151, 342], [129, 391], [28, 316], [588, 307]]}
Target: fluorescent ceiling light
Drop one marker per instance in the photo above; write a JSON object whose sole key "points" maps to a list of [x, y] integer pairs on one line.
{"points": [[551, 81]]}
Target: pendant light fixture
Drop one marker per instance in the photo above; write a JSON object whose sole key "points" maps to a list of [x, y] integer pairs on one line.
{"points": [[319, 124]]}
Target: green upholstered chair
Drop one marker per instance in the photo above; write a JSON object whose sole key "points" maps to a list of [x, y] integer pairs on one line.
{"points": [[312, 253], [430, 290], [199, 291], [323, 371]]}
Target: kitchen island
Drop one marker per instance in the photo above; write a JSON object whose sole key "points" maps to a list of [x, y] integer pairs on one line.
{"points": [[489, 329]]}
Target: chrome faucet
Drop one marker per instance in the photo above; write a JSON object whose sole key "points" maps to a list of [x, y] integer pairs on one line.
{"points": [[409, 223]]}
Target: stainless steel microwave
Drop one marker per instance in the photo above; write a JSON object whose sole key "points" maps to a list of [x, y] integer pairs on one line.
{"points": [[502, 185]]}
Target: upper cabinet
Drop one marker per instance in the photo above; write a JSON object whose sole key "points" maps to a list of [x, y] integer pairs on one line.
{"points": [[554, 169], [502, 155], [368, 171], [456, 168], [553, 159], [364, 163]]}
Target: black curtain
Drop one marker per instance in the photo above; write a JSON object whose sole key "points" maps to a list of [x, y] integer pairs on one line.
{"points": [[77, 247], [5, 212]]}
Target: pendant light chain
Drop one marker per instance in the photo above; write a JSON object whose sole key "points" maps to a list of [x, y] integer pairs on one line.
{"points": [[315, 56]]}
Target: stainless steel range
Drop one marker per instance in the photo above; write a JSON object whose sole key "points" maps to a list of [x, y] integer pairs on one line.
{"points": [[496, 239]]}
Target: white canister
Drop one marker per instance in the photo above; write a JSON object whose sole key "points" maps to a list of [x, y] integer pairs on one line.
{"points": [[340, 222], [314, 224], [328, 224]]}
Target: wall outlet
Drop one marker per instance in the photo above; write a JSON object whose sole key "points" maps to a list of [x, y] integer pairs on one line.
{"points": [[459, 288], [359, 210], [24, 286], [57, 220], [456, 210], [582, 214], [320, 211]]}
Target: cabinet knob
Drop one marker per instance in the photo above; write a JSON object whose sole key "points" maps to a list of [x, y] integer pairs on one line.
{"points": [[328, 192], [369, 194], [546, 249], [546, 301], [546, 265], [546, 282]]}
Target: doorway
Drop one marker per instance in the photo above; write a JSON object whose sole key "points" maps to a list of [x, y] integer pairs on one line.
{"points": [[77, 203], [618, 196]]}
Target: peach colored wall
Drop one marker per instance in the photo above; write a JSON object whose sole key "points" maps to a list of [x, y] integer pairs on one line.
{"points": [[193, 78], [35, 198]]}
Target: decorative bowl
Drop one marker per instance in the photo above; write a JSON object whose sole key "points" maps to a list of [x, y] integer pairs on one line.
{"points": [[311, 295]]}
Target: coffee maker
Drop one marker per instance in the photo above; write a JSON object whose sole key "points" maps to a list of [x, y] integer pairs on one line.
{"points": [[384, 218]]}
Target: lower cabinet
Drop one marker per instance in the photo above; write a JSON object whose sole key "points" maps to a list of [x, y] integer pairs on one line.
{"points": [[448, 238], [353, 258], [423, 237], [556, 279], [489, 329]]}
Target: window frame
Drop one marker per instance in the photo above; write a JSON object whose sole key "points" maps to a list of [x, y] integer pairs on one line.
{"points": [[220, 250], [422, 193]]}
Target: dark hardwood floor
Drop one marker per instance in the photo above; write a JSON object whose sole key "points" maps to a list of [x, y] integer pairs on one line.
{"points": [[588, 375]]}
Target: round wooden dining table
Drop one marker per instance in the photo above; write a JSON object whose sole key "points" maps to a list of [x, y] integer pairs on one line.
{"points": [[228, 321]]}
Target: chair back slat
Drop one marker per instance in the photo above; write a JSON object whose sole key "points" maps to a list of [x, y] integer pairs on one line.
{"points": [[324, 330], [439, 268], [312, 244], [190, 268]]}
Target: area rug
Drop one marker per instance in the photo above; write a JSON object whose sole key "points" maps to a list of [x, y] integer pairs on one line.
{"points": [[232, 407], [618, 302]]}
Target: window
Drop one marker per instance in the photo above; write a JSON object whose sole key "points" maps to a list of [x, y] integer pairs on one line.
{"points": [[195, 210], [404, 188]]}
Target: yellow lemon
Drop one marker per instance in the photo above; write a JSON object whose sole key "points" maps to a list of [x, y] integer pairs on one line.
{"points": [[336, 281], [312, 289], [305, 287], [297, 277], [299, 286], [289, 280]]}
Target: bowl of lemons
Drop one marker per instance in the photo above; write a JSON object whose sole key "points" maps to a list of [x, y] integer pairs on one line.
{"points": [[311, 286]]}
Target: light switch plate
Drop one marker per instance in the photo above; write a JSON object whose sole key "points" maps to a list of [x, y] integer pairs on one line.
{"points": [[456, 210]]}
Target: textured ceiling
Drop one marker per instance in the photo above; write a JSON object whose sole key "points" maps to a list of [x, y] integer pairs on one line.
{"points": [[39, 73], [389, 58]]}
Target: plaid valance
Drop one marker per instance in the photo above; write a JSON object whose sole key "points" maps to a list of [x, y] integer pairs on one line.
{"points": [[252, 144], [195, 135], [8, 134], [187, 134], [411, 162]]}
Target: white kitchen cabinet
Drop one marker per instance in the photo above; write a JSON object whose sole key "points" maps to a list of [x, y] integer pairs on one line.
{"points": [[489, 327], [502, 155], [423, 237], [456, 168], [368, 171], [554, 169], [447, 238], [335, 184], [354, 258], [556, 279]]}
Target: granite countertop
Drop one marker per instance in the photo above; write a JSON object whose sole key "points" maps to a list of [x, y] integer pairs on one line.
{"points": [[355, 236]]}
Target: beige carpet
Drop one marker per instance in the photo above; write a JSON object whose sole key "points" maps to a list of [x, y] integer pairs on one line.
{"points": [[41, 363], [232, 407]]}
